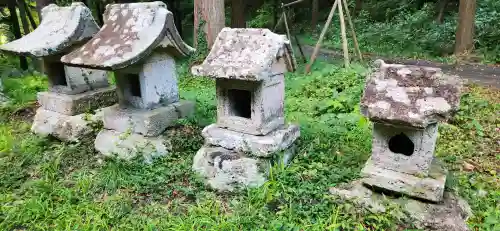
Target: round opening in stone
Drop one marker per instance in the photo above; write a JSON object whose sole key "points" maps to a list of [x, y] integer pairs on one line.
{"points": [[401, 144]]}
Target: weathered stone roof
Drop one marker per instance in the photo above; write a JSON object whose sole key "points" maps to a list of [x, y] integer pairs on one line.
{"points": [[130, 33], [413, 96], [61, 28], [247, 54]]}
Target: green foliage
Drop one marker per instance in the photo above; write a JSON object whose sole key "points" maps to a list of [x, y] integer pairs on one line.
{"points": [[49, 185], [263, 17], [201, 43], [23, 90], [409, 29]]}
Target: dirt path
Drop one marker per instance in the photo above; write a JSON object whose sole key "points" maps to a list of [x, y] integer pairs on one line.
{"points": [[480, 74]]}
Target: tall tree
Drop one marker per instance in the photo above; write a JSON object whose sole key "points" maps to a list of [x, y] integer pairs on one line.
{"points": [[238, 14], [40, 4], [358, 6], [175, 7], [465, 29], [16, 29], [441, 8], [24, 16], [212, 13], [314, 13]]}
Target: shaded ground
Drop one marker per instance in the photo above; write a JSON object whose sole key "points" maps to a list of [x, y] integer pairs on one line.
{"points": [[480, 74]]}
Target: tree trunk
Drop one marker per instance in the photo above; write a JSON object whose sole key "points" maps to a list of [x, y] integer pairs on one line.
{"points": [[30, 16], [178, 16], [465, 29], [40, 4], [24, 17], [14, 22], [99, 5], [314, 13], [212, 13], [442, 7], [358, 6], [238, 14], [276, 13], [174, 7]]}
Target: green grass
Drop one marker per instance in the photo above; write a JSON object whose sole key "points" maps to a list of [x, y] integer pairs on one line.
{"points": [[49, 185]]}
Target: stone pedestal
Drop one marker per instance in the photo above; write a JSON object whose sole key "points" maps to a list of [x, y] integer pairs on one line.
{"points": [[136, 132], [228, 170], [146, 122], [78, 103], [260, 146], [63, 116], [450, 214], [126, 145], [430, 187], [231, 160]]}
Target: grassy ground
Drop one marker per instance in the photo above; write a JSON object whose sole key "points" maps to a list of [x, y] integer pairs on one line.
{"points": [[49, 185]]}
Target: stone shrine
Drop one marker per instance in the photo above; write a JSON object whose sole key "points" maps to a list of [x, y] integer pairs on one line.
{"points": [[138, 41], [72, 90], [405, 104], [250, 132]]}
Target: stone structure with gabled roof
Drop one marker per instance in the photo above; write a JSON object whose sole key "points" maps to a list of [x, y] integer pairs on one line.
{"points": [[72, 90], [139, 43], [249, 67]]}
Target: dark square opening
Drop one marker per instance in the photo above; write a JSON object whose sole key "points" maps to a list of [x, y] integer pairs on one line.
{"points": [[401, 144], [55, 72], [134, 84], [240, 103]]}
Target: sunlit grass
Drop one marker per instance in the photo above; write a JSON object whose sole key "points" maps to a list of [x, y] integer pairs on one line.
{"points": [[49, 185]]}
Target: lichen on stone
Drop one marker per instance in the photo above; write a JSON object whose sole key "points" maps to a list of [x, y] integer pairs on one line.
{"points": [[130, 33], [60, 29], [409, 95], [246, 54]]}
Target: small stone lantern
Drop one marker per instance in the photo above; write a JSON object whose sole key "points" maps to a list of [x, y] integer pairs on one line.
{"points": [[406, 103], [72, 90], [248, 66], [138, 41]]}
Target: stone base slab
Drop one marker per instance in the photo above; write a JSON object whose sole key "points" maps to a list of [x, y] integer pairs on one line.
{"points": [[228, 170], [63, 127], [451, 214], [429, 188], [146, 122], [260, 146], [128, 145], [79, 103], [248, 126]]}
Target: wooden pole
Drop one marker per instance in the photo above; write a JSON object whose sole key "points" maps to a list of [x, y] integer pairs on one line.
{"points": [[278, 23], [344, 36], [288, 34], [292, 3], [353, 32], [322, 35], [300, 49], [30, 16], [23, 16], [16, 29]]}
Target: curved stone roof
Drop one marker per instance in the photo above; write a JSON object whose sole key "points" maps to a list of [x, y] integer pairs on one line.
{"points": [[415, 96], [61, 28], [246, 54], [130, 33]]}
